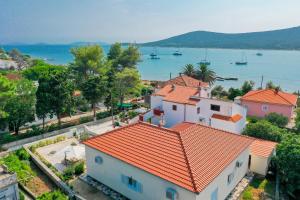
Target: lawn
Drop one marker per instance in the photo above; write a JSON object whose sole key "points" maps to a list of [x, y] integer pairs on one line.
{"points": [[257, 187]]}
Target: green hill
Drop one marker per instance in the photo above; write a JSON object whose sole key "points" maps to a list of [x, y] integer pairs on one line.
{"points": [[276, 39]]}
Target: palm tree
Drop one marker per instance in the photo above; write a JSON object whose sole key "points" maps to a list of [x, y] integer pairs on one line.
{"points": [[189, 70], [205, 74]]}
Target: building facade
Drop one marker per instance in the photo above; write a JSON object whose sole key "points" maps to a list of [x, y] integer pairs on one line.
{"points": [[174, 104], [259, 103]]}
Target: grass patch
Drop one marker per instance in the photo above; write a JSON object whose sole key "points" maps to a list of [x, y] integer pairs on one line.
{"points": [[257, 187]]}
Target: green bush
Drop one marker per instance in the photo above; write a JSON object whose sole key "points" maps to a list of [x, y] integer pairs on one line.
{"points": [[68, 173], [247, 194], [79, 168], [83, 120], [55, 195], [264, 130], [277, 119], [253, 119], [22, 154]]}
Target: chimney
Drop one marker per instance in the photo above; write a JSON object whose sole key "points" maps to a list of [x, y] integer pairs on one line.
{"points": [[173, 87], [277, 90], [199, 89], [180, 74]]}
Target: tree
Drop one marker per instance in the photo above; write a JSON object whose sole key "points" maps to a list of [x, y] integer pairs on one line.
{"points": [[264, 130], [277, 119], [247, 86], [218, 91], [60, 93], [288, 162], [20, 107], [7, 89], [41, 69], [129, 58], [43, 104], [88, 60], [126, 83], [271, 85], [234, 92], [94, 90], [189, 70], [206, 75]]}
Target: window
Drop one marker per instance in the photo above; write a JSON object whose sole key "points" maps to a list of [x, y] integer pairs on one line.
{"points": [[98, 160], [171, 194], [198, 110], [214, 195], [132, 183], [174, 107], [215, 107], [238, 163], [264, 108], [230, 178]]}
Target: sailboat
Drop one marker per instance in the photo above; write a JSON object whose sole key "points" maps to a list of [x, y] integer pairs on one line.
{"points": [[154, 55], [259, 54], [177, 53], [205, 61], [243, 61]]}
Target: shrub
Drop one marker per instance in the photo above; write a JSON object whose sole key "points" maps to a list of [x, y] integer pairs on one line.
{"points": [[264, 130], [22, 154], [253, 119], [277, 119], [247, 194], [22, 197], [55, 195], [79, 168], [68, 173], [83, 120]]}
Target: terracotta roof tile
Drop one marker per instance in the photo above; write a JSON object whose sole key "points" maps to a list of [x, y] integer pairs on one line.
{"points": [[184, 80], [262, 148], [271, 96], [178, 94], [234, 118], [190, 158]]}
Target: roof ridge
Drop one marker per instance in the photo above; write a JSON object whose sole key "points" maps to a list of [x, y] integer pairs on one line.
{"points": [[284, 97], [187, 163], [254, 92]]}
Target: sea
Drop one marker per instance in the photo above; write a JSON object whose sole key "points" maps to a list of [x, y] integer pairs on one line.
{"points": [[282, 67]]}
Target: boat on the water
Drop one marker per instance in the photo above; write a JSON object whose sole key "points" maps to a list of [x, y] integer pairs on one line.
{"points": [[177, 53], [204, 61], [243, 61], [259, 54], [154, 56]]}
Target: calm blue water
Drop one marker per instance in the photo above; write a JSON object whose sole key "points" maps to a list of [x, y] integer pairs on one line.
{"points": [[282, 67]]}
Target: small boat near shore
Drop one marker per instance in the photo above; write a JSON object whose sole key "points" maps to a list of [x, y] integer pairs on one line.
{"points": [[177, 53], [218, 78], [243, 61], [259, 54], [204, 61]]}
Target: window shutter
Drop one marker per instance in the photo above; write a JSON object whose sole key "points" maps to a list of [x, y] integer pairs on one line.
{"points": [[139, 187], [124, 179]]}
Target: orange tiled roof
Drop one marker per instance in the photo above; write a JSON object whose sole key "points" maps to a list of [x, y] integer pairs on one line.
{"points": [[271, 96], [190, 158], [234, 118], [178, 94], [262, 148], [187, 81]]}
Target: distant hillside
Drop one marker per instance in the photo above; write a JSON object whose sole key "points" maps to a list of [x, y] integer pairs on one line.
{"points": [[277, 39]]}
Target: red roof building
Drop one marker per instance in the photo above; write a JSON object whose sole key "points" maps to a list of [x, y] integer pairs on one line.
{"points": [[187, 81], [188, 155]]}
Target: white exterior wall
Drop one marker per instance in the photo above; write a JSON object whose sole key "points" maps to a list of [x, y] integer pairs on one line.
{"points": [[154, 188], [171, 116], [156, 101], [110, 171], [220, 182], [228, 125]]}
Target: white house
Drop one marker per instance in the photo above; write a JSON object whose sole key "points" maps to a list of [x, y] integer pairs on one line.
{"points": [[187, 162], [8, 185], [175, 104]]}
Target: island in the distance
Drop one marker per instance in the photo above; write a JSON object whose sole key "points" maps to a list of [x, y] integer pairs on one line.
{"points": [[276, 39]]}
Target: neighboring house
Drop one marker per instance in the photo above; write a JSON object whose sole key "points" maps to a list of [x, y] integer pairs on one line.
{"points": [[8, 185], [187, 162], [262, 102], [261, 153], [184, 80], [174, 104]]}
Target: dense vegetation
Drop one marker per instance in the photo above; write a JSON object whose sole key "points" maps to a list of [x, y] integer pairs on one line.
{"points": [[55, 195], [278, 39]]}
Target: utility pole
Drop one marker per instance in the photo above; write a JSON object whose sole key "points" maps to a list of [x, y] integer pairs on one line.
{"points": [[261, 83], [170, 75]]}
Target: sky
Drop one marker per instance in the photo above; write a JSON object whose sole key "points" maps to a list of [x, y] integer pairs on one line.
{"points": [[65, 21]]}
